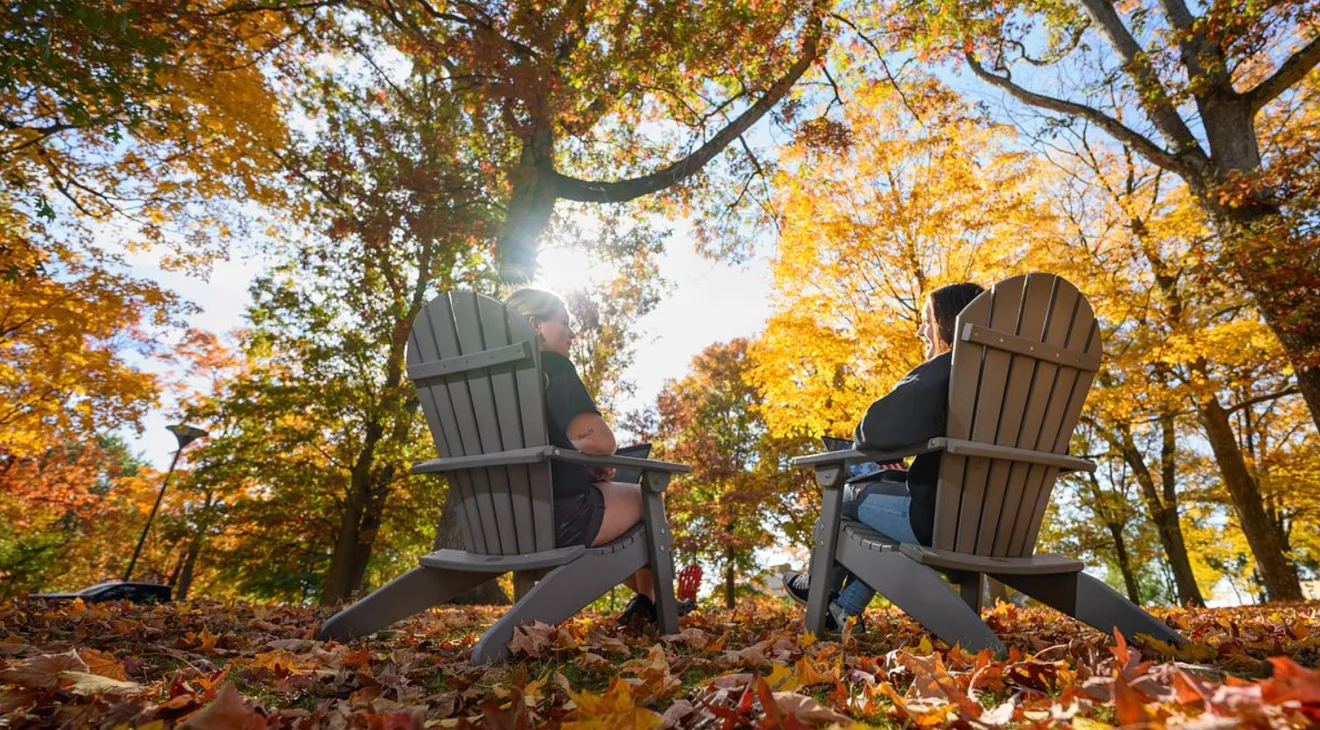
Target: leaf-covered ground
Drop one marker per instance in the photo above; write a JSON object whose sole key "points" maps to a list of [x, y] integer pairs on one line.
{"points": [[206, 665]]}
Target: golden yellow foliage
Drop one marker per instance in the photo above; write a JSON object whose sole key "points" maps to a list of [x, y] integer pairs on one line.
{"points": [[867, 230]]}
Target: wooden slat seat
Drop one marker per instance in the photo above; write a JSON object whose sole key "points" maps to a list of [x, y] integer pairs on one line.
{"points": [[1027, 351]]}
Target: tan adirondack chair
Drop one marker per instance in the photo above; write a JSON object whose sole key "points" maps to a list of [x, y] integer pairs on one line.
{"points": [[1025, 355], [476, 367]]}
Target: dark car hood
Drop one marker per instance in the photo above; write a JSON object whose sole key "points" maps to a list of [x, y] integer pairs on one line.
{"points": [[54, 595]]}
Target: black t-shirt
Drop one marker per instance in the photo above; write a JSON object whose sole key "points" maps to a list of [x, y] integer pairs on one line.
{"points": [[565, 397]]}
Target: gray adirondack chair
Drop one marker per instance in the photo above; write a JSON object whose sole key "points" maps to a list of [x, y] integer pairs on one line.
{"points": [[1025, 355], [476, 367]]}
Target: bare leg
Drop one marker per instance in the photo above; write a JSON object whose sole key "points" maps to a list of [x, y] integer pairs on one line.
{"points": [[623, 509]]}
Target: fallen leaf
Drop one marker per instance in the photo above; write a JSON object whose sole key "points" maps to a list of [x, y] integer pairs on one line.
{"points": [[228, 711], [91, 684], [807, 709], [43, 672], [106, 665]]}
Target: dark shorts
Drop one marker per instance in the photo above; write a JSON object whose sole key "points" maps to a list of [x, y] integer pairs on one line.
{"points": [[578, 519]]}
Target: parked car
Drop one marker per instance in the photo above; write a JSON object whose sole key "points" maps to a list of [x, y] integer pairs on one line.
{"points": [[115, 591]]}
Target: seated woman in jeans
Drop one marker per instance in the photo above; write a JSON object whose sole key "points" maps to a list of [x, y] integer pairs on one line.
{"points": [[901, 504]]}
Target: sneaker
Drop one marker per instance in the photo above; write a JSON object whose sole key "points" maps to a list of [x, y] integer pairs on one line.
{"points": [[797, 586], [835, 618], [639, 607]]}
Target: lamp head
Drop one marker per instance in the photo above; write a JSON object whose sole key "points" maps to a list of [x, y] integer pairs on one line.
{"points": [[186, 434]]}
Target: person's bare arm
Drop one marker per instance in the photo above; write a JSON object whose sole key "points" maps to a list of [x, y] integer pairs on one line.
{"points": [[591, 435]]}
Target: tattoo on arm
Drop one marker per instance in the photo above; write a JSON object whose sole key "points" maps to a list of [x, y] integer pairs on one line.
{"points": [[584, 434]]}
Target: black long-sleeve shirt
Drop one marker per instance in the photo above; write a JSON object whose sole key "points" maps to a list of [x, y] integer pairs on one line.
{"points": [[914, 411]]}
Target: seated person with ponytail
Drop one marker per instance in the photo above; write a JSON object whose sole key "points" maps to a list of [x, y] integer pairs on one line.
{"points": [[590, 508], [898, 504]]}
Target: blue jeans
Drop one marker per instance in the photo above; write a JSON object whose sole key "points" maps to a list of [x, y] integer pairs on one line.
{"points": [[888, 514]]}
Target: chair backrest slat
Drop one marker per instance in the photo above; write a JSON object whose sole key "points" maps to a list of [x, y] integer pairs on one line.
{"points": [[423, 346], [484, 410], [1012, 395], [1027, 392], [504, 390], [531, 404], [1001, 494], [496, 505]]}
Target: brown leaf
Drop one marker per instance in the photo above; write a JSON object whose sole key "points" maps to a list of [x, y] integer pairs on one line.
{"points": [[676, 712], [752, 657], [807, 709], [228, 711], [106, 665], [531, 639], [43, 672]]}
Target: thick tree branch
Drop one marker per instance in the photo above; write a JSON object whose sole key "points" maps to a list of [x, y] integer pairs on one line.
{"points": [[571, 188], [1116, 129], [1293, 70], [1177, 14], [1263, 398], [1155, 100]]}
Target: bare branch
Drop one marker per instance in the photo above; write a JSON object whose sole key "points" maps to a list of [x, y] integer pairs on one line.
{"points": [[884, 65], [1115, 128], [571, 188], [1155, 98], [1290, 72], [1291, 390]]}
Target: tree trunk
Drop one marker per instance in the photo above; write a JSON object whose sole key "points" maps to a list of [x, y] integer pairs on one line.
{"points": [[1278, 574], [368, 487], [1270, 259], [1164, 513], [184, 585], [338, 580], [1124, 563]]}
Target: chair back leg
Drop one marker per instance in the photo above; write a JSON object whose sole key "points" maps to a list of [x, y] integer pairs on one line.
{"points": [[1093, 603], [412, 592]]}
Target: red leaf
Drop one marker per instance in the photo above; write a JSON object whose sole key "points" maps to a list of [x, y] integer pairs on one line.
{"points": [[1129, 704], [1291, 682]]}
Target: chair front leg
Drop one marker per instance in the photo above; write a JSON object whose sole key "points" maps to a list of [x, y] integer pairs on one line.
{"points": [[659, 550], [826, 534]]}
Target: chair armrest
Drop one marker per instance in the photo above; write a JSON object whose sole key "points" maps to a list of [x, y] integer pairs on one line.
{"points": [[476, 461], [858, 456], [577, 457], [991, 451]]}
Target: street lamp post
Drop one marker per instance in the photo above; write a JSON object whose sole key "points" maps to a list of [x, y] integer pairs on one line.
{"points": [[185, 435]]}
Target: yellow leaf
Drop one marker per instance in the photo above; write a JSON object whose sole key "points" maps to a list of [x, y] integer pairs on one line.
{"points": [[91, 684], [615, 710]]}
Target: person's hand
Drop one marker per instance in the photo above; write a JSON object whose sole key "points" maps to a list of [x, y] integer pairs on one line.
{"points": [[601, 473]]}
